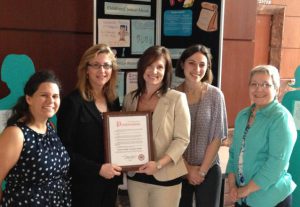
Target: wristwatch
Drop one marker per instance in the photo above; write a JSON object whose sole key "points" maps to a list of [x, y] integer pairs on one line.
{"points": [[202, 174], [158, 165]]}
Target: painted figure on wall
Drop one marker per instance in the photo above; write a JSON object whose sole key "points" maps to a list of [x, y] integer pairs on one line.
{"points": [[15, 71], [291, 100]]}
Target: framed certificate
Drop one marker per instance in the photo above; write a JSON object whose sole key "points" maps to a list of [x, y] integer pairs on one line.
{"points": [[128, 139]]}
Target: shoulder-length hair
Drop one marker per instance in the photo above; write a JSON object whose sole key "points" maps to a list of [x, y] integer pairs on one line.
{"points": [[21, 111], [83, 84], [208, 77], [151, 55]]}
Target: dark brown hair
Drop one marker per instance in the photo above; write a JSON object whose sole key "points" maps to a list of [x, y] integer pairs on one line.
{"points": [[151, 55], [21, 109], [208, 77]]}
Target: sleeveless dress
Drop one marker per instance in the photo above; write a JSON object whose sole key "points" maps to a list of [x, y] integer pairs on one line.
{"points": [[41, 175]]}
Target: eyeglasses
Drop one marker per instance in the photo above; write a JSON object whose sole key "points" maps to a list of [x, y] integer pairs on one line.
{"points": [[262, 85], [97, 66]]}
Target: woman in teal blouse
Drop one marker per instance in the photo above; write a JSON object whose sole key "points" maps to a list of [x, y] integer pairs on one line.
{"points": [[263, 141]]}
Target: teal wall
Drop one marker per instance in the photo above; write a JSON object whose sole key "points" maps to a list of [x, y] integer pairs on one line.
{"points": [[288, 101]]}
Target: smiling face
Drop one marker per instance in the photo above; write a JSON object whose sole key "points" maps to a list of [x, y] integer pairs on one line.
{"points": [[154, 73], [195, 67], [99, 75], [44, 103], [261, 89]]}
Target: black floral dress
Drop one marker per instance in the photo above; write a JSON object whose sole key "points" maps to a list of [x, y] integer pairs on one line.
{"points": [[41, 175]]}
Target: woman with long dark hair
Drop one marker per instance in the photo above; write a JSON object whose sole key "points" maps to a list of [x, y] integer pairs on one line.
{"points": [[158, 182]]}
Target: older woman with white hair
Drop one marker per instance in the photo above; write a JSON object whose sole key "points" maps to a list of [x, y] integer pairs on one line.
{"points": [[263, 141]]}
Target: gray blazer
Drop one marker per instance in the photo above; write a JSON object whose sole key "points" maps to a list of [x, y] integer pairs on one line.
{"points": [[171, 131]]}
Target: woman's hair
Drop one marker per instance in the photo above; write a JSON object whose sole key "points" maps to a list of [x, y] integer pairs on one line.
{"points": [[20, 111], [208, 77], [151, 55], [83, 84], [267, 69]]}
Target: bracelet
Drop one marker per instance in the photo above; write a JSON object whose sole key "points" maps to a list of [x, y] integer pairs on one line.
{"points": [[158, 165], [202, 174]]}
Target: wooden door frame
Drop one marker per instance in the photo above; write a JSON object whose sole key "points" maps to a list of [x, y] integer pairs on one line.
{"points": [[277, 13]]}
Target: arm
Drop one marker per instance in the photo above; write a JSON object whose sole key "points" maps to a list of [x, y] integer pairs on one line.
{"points": [[209, 157], [196, 174], [181, 130], [67, 122], [218, 131], [178, 137], [11, 144], [233, 193], [109, 170], [232, 165], [244, 191], [281, 139], [152, 167], [67, 125]]}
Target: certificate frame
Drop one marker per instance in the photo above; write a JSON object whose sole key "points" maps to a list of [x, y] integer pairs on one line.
{"points": [[128, 139]]}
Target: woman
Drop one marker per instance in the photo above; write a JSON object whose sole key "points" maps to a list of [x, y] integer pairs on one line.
{"points": [[33, 160], [264, 137], [80, 126], [209, 127], [158, 182]]}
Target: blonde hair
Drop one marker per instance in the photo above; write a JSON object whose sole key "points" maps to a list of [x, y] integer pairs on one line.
{"points": [[83, 84]]}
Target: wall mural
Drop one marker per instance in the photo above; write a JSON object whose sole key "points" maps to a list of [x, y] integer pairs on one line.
{"points": [[291, 100], [15, 71]]}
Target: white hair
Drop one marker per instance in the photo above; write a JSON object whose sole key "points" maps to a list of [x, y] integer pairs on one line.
{"points": [[271, 70]]}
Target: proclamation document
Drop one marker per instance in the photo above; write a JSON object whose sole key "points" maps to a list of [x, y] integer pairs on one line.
{"points": [[128, 138]]}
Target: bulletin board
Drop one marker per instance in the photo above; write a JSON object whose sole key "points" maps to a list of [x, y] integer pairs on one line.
{"points": [[129, 27], [188, 22]]}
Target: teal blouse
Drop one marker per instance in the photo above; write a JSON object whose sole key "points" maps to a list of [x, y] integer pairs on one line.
{"points": [[268, 147]]}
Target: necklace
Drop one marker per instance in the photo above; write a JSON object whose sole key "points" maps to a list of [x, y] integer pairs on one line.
{"points": [[251, 117], [195, 94], [252, 114]]}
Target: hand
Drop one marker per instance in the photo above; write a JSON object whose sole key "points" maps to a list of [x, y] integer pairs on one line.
{"points": [[109, 171], [193, 175], [243, 192], [233, 194], [149, 168], [248, 189]]}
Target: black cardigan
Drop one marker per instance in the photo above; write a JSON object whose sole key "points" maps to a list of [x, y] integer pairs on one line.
{"points": [[80, 127]]}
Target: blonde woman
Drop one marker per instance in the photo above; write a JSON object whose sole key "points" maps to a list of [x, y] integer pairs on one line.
{"points": [[80, 126]]}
